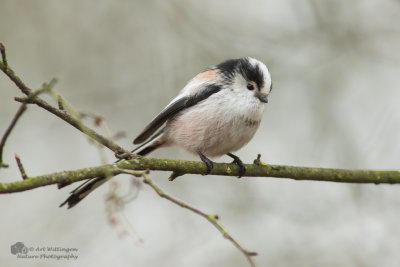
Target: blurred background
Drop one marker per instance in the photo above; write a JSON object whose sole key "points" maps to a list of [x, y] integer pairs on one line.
{"points": [[335, 103]]}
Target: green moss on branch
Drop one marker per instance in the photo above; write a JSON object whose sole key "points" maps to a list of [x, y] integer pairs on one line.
{"points": [[196, 167]]}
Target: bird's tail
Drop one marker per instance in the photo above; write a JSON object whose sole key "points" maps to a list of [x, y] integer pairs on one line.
{"points": [[87, 187]]}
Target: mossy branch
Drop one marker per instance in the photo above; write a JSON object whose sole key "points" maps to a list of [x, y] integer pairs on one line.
{"points": [[196, 167], [57, 111]]}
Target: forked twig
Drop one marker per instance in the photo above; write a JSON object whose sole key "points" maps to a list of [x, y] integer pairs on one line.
{"points": [[18, 114]]}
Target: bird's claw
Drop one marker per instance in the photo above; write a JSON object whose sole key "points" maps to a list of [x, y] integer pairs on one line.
{"points": [[239, 162]]}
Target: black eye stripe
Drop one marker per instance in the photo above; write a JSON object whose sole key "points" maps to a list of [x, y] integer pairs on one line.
{"points": [[245, 68], [252, 73]]}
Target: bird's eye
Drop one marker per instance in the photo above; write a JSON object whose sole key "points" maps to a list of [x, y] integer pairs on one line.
{"points": [[250, 86]]}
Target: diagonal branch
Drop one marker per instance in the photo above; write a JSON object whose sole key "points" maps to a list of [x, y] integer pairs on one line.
{"points": [[62, 114], [212, 218], [10, 73], [7, 133], [75, 122]]}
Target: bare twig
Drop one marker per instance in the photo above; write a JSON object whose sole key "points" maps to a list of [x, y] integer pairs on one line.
{"points": [[3, 54], [18, 114], [174, 175], [75, 122], [213, 219], [10, 73], [21, 167]]}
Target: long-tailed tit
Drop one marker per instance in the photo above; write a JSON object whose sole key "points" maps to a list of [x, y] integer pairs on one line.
{"points": [[215, 114]]}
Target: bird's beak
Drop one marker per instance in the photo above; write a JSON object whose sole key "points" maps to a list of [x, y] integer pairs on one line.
{"points": [[263, 98]]}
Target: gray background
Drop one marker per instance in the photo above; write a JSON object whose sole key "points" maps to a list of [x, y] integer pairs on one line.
{"points": [[335, 103]]}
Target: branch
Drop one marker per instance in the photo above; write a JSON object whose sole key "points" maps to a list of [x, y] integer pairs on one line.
{"points": [[61, 113], [20, 111], [10, 73], [17, 115], [196, 167], [212, 218]]}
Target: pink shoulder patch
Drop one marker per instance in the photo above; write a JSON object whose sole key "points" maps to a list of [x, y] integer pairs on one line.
{"points": [[210, 75]]}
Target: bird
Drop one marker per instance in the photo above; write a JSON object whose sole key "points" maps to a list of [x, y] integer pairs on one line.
{"points": [[216, 113]]}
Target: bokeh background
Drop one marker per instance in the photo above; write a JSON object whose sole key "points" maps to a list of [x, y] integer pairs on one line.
{"points": [[336, 73]]}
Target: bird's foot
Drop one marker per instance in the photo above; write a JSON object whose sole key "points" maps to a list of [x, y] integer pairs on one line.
{"points": [[207, 161], [239, 162]]}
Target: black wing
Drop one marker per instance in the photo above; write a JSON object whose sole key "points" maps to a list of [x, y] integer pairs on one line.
{"points": [[175, 107]]}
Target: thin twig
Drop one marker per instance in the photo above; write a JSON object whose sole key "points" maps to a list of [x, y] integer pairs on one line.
{"points": [[3, 54], [75, 122], [213, 219], [18, 114], [21, 167], [174, 175], [10, 73]]}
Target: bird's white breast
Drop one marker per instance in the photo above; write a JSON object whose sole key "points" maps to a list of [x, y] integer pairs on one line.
{"points": [[220, 124]]}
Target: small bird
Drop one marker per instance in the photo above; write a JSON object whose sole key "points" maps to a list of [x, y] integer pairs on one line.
{"points": [[215, 114]]}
